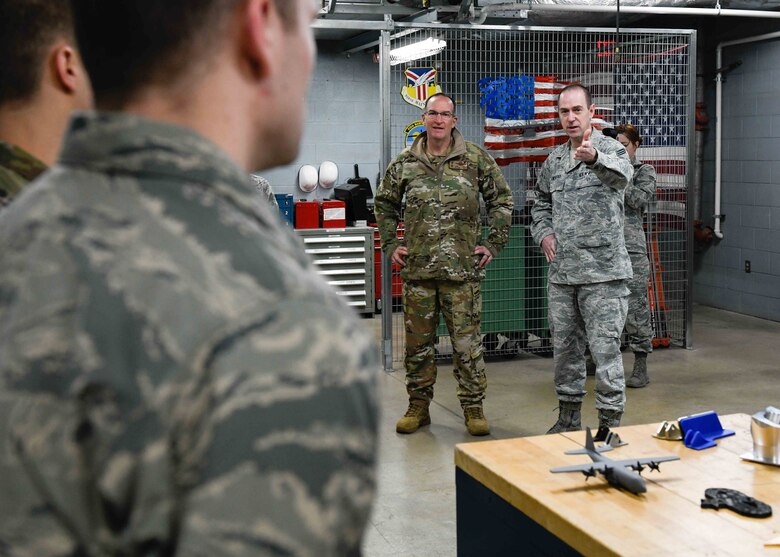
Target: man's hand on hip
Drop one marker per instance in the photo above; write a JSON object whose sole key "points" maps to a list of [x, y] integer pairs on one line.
{"points": [[399, 256], [486, 258]]}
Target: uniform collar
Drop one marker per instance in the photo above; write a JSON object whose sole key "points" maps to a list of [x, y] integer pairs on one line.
{"points": [[117, 142], [20, 162], [457, 147]]}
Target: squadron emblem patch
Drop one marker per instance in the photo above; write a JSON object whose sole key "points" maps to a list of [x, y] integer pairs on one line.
{"points": [[420, 84], [412, 131]]}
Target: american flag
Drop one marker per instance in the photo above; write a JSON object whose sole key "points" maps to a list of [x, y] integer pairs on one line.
{"points": [[521, 123], [651, 93]]}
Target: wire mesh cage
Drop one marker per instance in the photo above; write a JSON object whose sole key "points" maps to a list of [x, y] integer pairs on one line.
{"points": [[505, 83]]}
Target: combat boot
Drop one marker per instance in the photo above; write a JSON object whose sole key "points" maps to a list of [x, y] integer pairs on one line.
{"points": [[639, 376], [590, 365], [416, 416], [569, 414], [476, 422], [607, 420]]}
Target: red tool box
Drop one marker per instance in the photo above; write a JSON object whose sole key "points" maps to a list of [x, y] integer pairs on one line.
{"points": [[307, 214], [334, 214]]}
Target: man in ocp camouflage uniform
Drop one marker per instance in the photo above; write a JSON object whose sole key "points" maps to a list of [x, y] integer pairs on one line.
{"points": [[578, 222], [442, 176], [175, 378], [41, 81]]}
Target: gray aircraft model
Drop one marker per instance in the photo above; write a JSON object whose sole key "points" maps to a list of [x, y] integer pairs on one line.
{"points": [[614, 471]]}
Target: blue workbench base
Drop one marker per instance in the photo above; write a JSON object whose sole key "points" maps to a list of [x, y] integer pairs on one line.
{"points": [[489, 526]]}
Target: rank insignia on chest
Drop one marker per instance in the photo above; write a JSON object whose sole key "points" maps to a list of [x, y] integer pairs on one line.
{"points": [[459, 165]]}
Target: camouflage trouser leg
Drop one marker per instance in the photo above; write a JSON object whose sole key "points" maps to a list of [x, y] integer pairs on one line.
{"points": [[461, 304], [596, 312], [638, 327], [421, 317]]}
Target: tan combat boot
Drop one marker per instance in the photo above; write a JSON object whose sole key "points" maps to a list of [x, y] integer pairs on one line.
{"points": [[476, 423], [416, 416]]}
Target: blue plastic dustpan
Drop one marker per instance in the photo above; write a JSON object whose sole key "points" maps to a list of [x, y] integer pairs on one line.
{"points": [[701, 430]]}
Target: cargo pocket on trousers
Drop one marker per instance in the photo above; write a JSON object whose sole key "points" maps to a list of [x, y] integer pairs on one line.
{"points": [[607, 329], [476, 303]]}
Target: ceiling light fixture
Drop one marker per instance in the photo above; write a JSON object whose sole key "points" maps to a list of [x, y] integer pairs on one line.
{"points": [[415, 51]]}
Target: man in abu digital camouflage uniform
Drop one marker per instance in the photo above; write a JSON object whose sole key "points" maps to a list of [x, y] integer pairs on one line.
{"points": [[639, 195], [42, 81], [265, 193], [443, 255], [175, 378], [578, 222]]}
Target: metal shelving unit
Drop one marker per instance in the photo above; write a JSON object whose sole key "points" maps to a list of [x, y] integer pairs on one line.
{"points": [[345, 257]]}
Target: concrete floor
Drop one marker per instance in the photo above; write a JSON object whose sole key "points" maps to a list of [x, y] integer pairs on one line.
{"points": [[733, 367]]}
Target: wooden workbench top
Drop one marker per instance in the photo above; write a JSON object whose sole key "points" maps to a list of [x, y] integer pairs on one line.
{"points": [[597, 519]]}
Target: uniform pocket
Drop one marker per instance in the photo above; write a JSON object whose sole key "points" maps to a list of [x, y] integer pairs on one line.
{"points": [[592, 241]]}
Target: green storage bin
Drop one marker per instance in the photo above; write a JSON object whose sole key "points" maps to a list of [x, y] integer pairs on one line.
{"points": [[514, 299], [537, 326], [503, 292]]}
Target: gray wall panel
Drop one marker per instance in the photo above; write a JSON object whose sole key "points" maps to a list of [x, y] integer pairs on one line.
{"points": [[342, 123], [750, 188]]}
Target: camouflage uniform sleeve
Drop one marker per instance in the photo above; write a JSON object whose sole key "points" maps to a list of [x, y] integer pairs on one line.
{"points": [[387, 206], [498, 202], [287, 455], [612, 167], [541, 212], [641, 192]]}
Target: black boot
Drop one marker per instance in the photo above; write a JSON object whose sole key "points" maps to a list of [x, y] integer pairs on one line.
{"points": [[607, 420], [590, 364], [568, 417], [639, 376]]}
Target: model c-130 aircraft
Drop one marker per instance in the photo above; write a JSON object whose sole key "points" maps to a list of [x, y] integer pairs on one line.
{"points": [[625, 474]]}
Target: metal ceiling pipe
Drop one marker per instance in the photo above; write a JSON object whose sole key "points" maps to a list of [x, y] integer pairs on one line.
{"points": [[531, 8], [719, 120]]}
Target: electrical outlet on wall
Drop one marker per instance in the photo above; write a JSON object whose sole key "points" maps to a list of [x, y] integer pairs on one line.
{"points": [[747, 265]]}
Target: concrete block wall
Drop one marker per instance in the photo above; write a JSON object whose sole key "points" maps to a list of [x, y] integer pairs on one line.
{"points": [[750, 188], [342, 123]]}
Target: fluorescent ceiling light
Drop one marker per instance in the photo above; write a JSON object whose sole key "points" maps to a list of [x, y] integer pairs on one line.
{"points": [[415, 51]]}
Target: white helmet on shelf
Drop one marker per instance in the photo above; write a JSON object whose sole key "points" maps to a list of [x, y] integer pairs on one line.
{"points": [[307, 178], [329, 174]]}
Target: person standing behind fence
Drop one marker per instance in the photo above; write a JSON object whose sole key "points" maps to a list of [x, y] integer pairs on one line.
{"points": [[639, 195], [443, 255], [578, 222], [175, 377]]}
